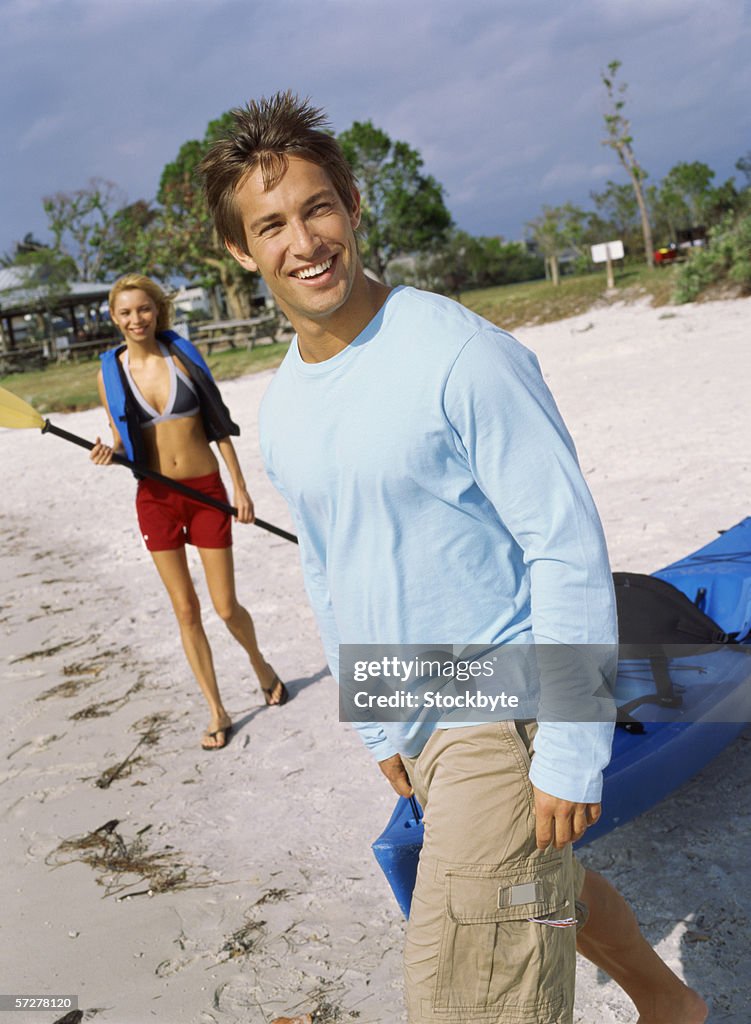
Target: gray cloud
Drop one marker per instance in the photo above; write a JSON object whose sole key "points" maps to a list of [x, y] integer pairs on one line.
{"points": [[502, 99]]}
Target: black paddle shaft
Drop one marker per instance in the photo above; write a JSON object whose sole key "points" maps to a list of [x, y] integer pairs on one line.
{"points": [[189, 492]]}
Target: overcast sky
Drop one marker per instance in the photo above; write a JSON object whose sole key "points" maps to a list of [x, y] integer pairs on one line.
{"points": [[502, 98]]}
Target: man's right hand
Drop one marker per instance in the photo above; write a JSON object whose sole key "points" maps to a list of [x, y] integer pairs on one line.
{"points": [[396, 773]]}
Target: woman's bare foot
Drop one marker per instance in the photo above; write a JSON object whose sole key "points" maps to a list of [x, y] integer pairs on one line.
{"points": [[275, 693], [218, 734]]}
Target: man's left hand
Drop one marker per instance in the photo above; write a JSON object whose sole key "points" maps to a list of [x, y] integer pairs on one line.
{"points": [[396, 773], [560, 821]]}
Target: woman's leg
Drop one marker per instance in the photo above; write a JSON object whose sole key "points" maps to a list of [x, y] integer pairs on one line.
{"points": [[173, 570], [218, 565]]}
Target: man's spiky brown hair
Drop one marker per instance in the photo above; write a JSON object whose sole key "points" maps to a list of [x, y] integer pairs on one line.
{"points": [[264, 134]]}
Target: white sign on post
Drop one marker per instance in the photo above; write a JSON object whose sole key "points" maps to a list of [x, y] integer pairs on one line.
{"points": [[606, 252]]}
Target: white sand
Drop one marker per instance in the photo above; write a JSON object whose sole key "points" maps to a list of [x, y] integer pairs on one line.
{"points": [[276, 829]]}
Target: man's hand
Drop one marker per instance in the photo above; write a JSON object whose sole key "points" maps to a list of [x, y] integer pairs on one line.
{"points": [[561, 821], [395, 772]]}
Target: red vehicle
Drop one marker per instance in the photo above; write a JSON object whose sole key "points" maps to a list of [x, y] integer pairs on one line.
{"points": [[667, 254], [688, 238]]}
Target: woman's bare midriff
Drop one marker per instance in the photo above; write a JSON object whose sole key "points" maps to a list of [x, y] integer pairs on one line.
{"points": [[179, 449]]}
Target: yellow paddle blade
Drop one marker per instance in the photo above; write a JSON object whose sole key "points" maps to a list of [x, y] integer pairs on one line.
{"points": [[14, 412]]}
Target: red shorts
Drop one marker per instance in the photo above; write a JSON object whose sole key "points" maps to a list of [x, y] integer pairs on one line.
{"points": [[170, 520]]}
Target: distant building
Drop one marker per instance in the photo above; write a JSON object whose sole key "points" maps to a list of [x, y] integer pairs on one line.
{"points": [[190, 299], [38, 320]]}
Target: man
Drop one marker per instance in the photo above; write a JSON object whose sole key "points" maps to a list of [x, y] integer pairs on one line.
{"points": [[438, 500]]}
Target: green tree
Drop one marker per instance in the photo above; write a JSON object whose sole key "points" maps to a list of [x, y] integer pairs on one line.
{"points": [[29, 244], [743, 164], [686, 198], [722, 200], [617, 215], [463, 261], [727, 260], [403, 211], [188, 245], [558, 230], [135, 242], [82, 225], [48, 274], [619, 139], [688, 187]]}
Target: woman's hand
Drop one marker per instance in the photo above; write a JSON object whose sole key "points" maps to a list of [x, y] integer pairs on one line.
{"points": [[244, 505], [101, 454]]}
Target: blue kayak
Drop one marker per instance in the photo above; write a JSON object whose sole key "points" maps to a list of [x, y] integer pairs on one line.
{"points": [[664, 743]]}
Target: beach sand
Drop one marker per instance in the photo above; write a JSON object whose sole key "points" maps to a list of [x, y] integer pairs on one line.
{"points": [[256, 893]]}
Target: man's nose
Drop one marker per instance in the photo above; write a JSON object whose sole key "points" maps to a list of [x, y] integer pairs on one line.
{"points": [[305, 243]]}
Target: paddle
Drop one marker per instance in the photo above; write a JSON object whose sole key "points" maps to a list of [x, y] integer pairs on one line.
{"points": [[18, 414]]}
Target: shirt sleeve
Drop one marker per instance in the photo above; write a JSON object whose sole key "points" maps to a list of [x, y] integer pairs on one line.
{"points": [[506, 425]]}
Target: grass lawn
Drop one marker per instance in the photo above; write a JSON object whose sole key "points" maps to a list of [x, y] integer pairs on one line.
{"points": [[65, 387], [538, 302]]}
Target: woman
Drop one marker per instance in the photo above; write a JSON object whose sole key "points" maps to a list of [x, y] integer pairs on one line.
{"points": [[164, 408]]}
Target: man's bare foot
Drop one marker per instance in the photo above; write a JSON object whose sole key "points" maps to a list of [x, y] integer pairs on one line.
{"points": [[305, 1019], [691, 1009]]}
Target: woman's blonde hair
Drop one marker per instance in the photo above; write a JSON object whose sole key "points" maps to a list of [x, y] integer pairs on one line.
{"points": [[133, 282]]}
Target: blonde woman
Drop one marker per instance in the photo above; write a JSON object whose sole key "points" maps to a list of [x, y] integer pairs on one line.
{"points": [[164, 410]]}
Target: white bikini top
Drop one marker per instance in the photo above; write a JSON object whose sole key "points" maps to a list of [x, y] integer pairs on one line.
{"points": [[182, 400]]}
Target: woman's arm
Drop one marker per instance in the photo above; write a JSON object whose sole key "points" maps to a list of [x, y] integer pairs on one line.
{"points": [[241, 499], [102, 454]]}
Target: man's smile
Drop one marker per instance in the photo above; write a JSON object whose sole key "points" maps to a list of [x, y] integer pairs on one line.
{"points": [[314, 271]]}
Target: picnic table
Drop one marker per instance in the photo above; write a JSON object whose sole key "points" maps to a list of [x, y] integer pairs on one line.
{"points": [[26, 357], [86, 349], [238, 333]]}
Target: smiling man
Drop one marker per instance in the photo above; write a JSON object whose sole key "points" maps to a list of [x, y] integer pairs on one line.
{"points": [[438, 500], [300, 237]]}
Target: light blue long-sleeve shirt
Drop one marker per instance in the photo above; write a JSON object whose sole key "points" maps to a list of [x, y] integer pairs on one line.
{"points": [[438, 500]]}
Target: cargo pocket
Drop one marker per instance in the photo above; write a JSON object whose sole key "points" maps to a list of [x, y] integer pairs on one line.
{"points": [[492, 956]]}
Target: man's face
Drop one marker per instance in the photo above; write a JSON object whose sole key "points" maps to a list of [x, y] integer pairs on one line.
{"points": [[301, 239]]}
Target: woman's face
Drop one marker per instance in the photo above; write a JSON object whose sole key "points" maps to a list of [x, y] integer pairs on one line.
{"points": [[135, 313]]}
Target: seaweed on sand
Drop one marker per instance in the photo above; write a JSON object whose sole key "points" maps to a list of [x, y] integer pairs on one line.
{"points": [[274, 896], [46, 652], [106, 707], [152, 726], [107, 852], [69, 688], [324, 1010], [243, 941]]}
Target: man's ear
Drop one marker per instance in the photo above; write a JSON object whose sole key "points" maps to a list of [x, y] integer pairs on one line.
{"points": [[243, 258], [356, 212]]}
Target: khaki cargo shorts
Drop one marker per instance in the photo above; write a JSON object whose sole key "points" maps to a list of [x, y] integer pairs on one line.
{"points": [[472, 954]]}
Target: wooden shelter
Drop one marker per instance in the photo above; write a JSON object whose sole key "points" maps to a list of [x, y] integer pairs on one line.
{"points": [[79, 304]]}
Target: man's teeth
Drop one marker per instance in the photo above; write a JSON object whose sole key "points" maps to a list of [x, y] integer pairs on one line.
{"points": [[320, 268]]}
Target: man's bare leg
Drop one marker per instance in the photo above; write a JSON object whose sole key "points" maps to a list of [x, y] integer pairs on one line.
{"points": [[611, 939]]}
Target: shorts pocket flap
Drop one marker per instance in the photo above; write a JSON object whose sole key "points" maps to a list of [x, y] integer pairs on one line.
{"points": [[533, 888]]}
